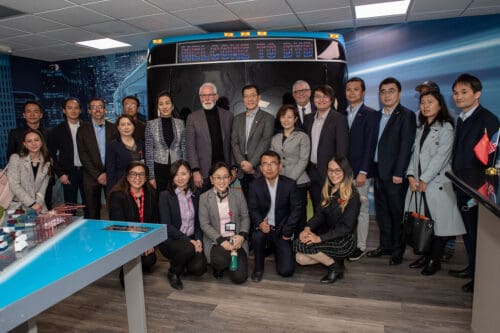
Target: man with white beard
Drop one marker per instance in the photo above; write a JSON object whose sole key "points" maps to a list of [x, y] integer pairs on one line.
{"points": [[208, 136]]}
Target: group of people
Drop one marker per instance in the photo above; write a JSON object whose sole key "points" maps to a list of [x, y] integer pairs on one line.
{"points": [[180, 173]]}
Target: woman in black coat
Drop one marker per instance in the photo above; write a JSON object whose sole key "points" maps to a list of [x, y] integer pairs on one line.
{"points": [[179, 211], [133, 199], [330, 235]]}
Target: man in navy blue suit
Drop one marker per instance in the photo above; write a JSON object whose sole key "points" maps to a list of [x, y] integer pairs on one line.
{"points": [[275, 209], [363, 129], [397, 126], [471, 124]]}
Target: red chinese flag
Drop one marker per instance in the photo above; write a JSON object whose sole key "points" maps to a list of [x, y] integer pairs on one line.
{"points": [[481, 149]]}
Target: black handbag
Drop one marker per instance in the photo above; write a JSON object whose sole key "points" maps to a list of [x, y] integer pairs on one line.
{"points": [[418, 228]]}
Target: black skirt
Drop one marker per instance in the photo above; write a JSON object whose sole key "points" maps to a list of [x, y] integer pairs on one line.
{"points": [[339, 248]]}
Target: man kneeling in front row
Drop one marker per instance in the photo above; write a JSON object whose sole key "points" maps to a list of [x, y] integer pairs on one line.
{"points": [[275, 210]]}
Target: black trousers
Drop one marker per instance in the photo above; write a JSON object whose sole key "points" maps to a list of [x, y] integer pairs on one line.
{"points": [[70, 191], [220, 259], [162, 176], [283, 252], [316, 186], [302, 194], [389, 208], [437, 248], [183, 257], [93, 194], [245, 183]]}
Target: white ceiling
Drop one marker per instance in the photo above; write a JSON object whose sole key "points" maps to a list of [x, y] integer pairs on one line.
{"points": [[48, 29]]}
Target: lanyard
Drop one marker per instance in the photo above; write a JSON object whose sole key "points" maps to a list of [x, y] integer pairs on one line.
{"points": [[140, 206]]}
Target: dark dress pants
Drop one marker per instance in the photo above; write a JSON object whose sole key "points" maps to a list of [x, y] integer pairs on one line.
{"points": [[316, 186], [93, 194], [285, 261], [220, 259], [245, 183], [70, 191], [389, 208], [183, 257], [469, 216]]}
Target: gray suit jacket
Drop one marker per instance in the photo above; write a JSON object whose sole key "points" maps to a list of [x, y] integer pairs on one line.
{"points": [[156, 148], [294, 154], [198, 141], [208, 214], [27, 188], [258, 141], [434, 157]]}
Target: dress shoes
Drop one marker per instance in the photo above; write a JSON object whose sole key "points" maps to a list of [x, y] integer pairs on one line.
{"points": [[335, 272], [431, 268], [395, 260], [218, 274], [461, 273], [468, 287], [257, 276], [378, 252], [419, 263], [175, 281]]}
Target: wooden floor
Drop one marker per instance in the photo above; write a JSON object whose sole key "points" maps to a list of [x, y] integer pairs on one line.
{"points": [[372, 297]]}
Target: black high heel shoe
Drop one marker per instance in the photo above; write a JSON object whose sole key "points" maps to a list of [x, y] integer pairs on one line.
{"points": [[335, 272], [419, 263]]}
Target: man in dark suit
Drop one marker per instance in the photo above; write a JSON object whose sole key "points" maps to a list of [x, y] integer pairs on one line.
{"points": [[471, 124], [252, 134], [275, 208], [363, 130], [301, 93], [130, 105], [208, 136], [63, 149], [92, 138], [397, 126], [329, 133]]}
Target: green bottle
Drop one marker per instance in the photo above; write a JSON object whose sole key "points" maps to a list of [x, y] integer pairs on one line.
{"points": [[233, 266]]}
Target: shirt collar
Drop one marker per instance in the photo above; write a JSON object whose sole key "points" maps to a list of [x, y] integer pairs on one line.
{"points": [[251, 113], [465, 115]]}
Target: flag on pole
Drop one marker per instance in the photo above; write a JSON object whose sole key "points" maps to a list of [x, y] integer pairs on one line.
{"points": [[482, 148], [493, 143]]}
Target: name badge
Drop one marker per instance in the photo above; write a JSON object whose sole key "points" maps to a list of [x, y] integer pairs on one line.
{"points": [[231, 226]]}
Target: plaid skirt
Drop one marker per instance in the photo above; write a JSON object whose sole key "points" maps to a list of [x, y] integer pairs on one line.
{"points": [[339, 248]]}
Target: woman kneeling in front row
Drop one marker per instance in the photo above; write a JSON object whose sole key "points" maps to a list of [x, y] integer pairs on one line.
{"points": [[330, 235]]}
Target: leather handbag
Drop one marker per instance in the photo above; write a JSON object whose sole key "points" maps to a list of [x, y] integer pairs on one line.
{"points": [[418, 229], [6, 194]]}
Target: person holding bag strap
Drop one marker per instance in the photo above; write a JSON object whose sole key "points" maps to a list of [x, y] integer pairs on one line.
{"points": [[426, 173]]}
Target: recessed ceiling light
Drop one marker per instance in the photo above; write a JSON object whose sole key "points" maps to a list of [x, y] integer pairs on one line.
{"points": [[382, 9], [103, 44]]}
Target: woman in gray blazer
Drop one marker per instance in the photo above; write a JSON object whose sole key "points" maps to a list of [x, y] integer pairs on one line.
{"points": [[426, 174], [224, 220], [165, 142], [29, 172], [294, 147]]}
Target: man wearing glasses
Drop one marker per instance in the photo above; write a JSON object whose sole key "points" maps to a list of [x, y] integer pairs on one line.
{"points": [[208, 136], [302, 96], [92, 138], [396, 134], [130, 106], [275, 209]]}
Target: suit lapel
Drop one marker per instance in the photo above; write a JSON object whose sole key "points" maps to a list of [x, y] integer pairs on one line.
{"points": [[256, 120], [358, 119], [395, 114]]}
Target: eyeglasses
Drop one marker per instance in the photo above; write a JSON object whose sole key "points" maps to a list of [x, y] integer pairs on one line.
{"points": [[321, 97], [270, 164], [133, 174], [335, 171], [96, 107], [221, 178], [130, 104], [387, 92], [301, 91], [250, 96], [207, 95]]}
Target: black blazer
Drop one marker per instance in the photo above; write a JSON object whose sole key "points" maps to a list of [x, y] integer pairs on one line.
{"points": [[170, 215], [288, 206], [330, 222], [333, 140], [117, 159], [88, 150], [363, 136], [15, 140], [61, 149], [395, 144], [122, 206], [467, 134]]}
